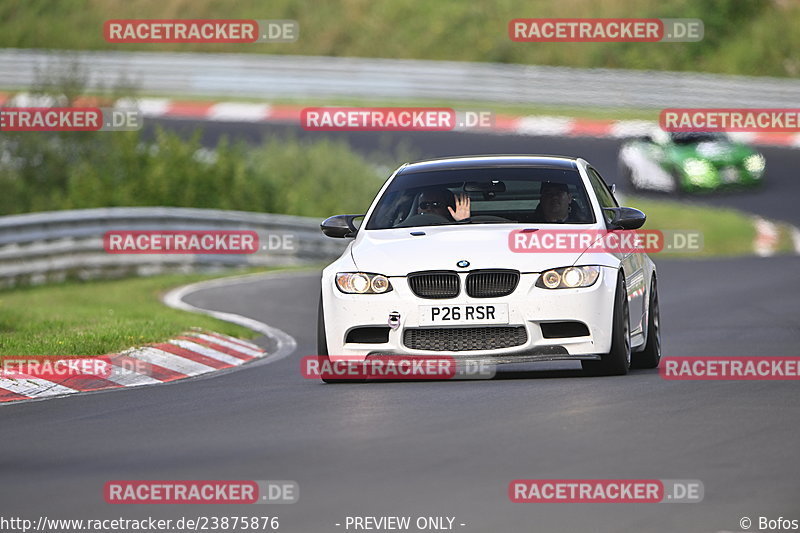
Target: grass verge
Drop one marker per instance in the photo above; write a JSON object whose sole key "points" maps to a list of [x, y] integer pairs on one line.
{"points": [[726, 232], [98, 317]]}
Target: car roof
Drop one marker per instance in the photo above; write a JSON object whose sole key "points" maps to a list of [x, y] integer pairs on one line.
{"points": [[491, 161]]}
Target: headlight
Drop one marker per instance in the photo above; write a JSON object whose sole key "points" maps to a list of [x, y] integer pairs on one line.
{"points": [[699, 171], [362, 283], [568, 277], [550, 279], [697, 167], [754, 164]]}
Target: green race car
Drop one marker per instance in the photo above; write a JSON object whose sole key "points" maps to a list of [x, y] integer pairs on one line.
{"points": [[689, 162]]}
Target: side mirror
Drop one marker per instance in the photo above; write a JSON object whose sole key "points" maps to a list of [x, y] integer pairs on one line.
{"points": [[340, 226], [625, 218]]}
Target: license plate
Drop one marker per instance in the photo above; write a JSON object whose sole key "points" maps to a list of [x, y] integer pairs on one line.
{"points": [[453, 315]]}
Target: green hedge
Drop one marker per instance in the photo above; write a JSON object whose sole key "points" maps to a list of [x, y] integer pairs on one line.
{"points": [[40, 172]]}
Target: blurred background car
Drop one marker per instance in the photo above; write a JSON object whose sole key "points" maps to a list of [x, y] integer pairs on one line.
{"points": [[689, 162]]}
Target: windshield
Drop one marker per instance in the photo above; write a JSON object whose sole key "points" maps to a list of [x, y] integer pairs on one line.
{"points": [[692, 137], [496, 195]]}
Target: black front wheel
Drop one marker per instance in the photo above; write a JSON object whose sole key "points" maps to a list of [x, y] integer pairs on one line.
{"points": [[322, 341], [618, 360], [651, 355]]}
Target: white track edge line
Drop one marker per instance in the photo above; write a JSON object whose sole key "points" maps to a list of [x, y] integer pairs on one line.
{"points": [[285, 343]]}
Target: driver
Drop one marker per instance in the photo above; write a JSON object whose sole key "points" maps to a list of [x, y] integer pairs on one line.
{"points": [[554, 203], [444, 203]]}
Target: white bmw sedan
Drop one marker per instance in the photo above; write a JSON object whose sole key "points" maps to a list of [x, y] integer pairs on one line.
{"points": [[435, 269]]}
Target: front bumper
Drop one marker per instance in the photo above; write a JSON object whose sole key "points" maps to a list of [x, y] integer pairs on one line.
{"points": [[529, 307], [723, 178]]}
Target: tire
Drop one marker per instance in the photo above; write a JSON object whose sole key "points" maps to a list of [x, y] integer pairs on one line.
{"points": [[322, 340], [618, 360], [651, 355]]}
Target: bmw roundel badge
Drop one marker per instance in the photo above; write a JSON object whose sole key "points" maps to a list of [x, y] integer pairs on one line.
{"points": [[462, 264]]}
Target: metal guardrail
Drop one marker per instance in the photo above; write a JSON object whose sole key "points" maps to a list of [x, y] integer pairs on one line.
{"points": [[271, 76], [54, 246]]}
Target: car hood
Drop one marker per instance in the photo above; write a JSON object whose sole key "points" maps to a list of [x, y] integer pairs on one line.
{"points": [[718, 153], [396, 252]]}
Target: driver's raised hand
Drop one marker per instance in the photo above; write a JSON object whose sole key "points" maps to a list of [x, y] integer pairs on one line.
{"points": [[462, 210]]}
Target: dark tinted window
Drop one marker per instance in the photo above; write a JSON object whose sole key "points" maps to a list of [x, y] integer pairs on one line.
{"points": [[603, 193], [692, 137], [497, 195]]}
